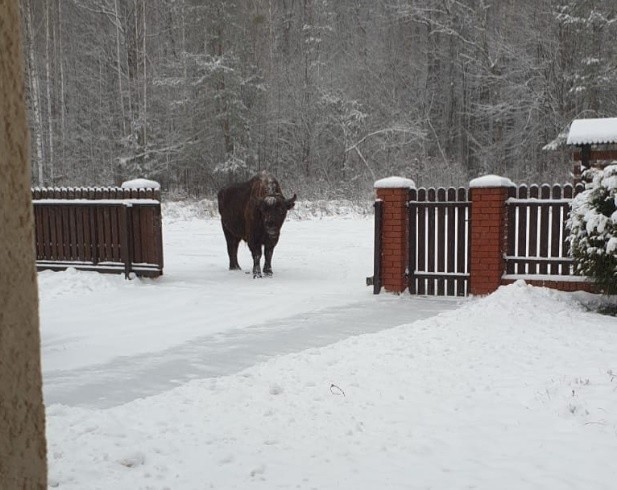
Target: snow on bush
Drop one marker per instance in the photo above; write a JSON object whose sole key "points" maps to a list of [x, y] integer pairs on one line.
{"points": [[593, 226]]}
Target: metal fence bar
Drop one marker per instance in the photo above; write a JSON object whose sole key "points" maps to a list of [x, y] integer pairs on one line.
{"points": [[376, 280], [412, 234], [378, 247], [462, 240]]}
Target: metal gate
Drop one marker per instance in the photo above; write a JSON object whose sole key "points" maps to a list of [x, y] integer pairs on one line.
{"points": [[438, 232]]}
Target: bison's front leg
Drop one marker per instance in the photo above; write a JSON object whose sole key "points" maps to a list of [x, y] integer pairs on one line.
{"points": [[268, 251], [256, 252]]}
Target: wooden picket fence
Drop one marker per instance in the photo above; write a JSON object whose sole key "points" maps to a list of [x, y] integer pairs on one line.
{"points": [[435, 248], [94, 193], [537, 236], [438, 240], [99, 229]]}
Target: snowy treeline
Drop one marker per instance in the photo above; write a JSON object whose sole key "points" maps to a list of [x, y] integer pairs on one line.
{"points": [[327, 94]]}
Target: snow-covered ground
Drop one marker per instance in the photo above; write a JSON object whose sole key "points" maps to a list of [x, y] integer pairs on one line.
{"points": [[206, 378]]}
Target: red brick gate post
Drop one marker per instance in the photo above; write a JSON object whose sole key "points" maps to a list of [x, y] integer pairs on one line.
{"points": [[487, 232], [394, 193]]}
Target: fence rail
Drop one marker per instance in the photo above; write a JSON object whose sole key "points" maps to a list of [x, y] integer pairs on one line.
{"points": [[438, 241], [107, 230]]}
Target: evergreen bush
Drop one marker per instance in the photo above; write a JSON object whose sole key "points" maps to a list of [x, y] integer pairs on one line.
{"points": [[593, 228]]}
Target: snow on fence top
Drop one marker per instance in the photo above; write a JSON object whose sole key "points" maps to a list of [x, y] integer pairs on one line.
{"points": [[97, 202], [141, 184], [395, 183], [93, 193], [593, 131], [491, 181]]}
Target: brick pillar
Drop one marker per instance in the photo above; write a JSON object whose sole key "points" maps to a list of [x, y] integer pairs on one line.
{"points": [[487, 232], [394, 192]]}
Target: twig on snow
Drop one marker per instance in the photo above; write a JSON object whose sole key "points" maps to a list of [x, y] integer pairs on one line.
{"points": [[337, 390]]}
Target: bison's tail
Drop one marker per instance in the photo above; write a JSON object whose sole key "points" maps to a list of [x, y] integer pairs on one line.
{"points": [[220, 197]]}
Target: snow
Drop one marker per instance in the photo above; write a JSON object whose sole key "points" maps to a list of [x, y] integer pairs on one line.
{"points": [[96, 202], [593, 131], [141, 184], [207, 378], [557, 143], [487, 181], [545, 277], [394, 183]]}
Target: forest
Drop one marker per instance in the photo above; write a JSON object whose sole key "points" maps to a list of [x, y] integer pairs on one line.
{"points": [[328, 95]]}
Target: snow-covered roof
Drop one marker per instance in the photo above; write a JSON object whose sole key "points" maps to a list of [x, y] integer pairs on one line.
{"points": [[141, 184], [395, 183], [491, 181], [593, 131]]}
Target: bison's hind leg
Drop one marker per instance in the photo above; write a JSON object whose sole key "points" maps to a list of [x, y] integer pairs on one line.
{"points": [[232, 249]]}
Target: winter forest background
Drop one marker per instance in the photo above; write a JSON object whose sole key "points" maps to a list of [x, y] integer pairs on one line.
{"points": [[327, 94]]}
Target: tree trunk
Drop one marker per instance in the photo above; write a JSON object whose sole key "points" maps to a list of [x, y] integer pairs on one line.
{"points": [[145, 105], [62, 93], [22, 416], [119, 69], [48, 83], [34, 94]]}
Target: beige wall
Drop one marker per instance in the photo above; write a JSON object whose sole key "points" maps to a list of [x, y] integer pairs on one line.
{"points": [[22, 418]]}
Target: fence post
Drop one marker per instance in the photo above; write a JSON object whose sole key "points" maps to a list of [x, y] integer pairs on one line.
{"points": [[393, 192], [487, 232], [126, 236], [376, 279]]}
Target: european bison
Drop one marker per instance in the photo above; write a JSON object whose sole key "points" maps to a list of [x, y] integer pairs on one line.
{"points": [[253, 211]]}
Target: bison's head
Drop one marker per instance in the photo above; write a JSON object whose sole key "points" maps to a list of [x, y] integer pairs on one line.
{"points": [[273, 211]]}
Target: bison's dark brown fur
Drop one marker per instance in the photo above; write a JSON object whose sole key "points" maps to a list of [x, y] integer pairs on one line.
{"points": [[253, 211]]}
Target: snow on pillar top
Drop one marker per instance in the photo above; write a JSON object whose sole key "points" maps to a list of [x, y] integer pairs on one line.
{"points": [[141, 184], [491, 181], [395, 183]]}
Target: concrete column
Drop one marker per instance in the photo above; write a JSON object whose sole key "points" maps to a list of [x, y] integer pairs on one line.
{"points": [[394, 192], [487, 232]]}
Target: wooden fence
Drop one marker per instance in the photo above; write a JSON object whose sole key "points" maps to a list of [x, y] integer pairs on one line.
{"points": [[94, 193], [438, 240], [536, 230], [454, 242], [100, 229]]}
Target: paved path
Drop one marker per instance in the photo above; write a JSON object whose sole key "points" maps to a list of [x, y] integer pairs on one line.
{"points": [[129, 378]]}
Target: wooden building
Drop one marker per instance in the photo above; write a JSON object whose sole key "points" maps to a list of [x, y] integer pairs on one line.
{"points": [[593, 143]]}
